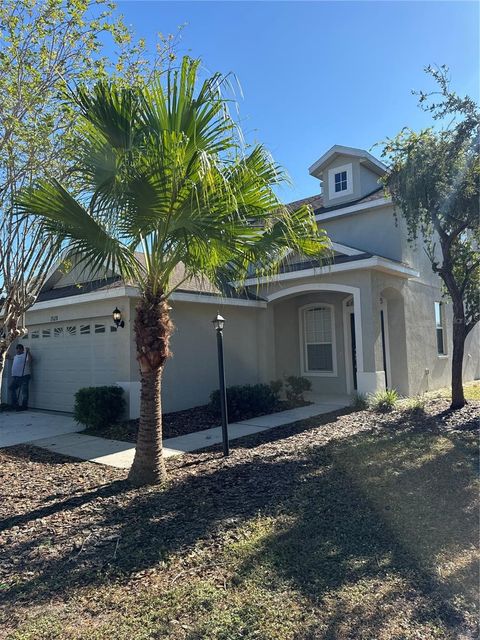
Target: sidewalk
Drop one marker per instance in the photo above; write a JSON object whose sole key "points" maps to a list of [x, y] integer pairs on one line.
{"points": [[115, 453], [24, 426]]}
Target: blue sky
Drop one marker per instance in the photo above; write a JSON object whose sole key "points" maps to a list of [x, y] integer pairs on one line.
{"points": [[314, 74]]}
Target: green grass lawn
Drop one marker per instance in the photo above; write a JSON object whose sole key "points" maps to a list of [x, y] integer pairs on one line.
{"points": [[470, 389], [349, 526]]}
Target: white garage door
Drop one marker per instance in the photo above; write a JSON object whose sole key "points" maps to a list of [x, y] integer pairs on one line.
{"points": [[70, 355]]}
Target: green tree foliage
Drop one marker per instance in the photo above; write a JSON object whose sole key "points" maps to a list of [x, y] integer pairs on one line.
{"points": [[46, 45], [162, 168], [434, 180]]}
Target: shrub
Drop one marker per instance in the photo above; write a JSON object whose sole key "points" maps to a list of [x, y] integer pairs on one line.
{"points": [[415, 405], [360, 402], [99, 407], [276, 386], [245, 401], [295, 387], [383, 401]]}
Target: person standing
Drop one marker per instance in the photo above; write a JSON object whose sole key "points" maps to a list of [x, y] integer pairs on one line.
{"points": [[21, 372]]}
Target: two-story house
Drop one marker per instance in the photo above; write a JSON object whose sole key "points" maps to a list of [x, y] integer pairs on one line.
{"points": [[374, 317]]}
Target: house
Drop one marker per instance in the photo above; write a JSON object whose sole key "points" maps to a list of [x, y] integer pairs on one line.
{"points": [[373, 317]]}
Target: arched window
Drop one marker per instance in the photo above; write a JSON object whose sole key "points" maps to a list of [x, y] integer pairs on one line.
{"points": [[318, 340]]}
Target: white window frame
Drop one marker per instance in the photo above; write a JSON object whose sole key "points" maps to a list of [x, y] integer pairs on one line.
{"points": [[442, 327], [331, 181], [303, 344]]}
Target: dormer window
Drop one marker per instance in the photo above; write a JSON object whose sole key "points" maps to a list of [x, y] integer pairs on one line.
{"points": [[340, 181]]}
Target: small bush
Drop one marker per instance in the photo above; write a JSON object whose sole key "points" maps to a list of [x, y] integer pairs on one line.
{"points": [[415, 405], [245, 401], [360, 402], [99, 407], [295, 387], [276, 386], [383, 401]]}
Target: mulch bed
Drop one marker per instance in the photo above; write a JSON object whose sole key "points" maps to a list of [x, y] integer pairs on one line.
{"points": [[68, 523], [175, 424], [178, 423]]}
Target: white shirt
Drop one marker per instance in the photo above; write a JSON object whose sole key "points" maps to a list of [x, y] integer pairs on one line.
{"points": [[21, 365]]}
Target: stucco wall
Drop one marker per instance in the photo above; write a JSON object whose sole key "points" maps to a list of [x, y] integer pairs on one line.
{"points": [[411, 328], [427, 369], [287, 341], [341, 161], [364, 181], [374, 231], [192, 372], [369, 180]]}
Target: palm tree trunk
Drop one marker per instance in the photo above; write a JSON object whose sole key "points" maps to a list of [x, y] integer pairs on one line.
{"points": [[153, 329]]}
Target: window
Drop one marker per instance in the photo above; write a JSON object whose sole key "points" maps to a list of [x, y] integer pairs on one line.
{"points": [[113, 329], [71, 331], [58, 332], [45, 333], [440, 328], [99, 328], [35, 334], [318, 334], [341, 181], [84, 329]]}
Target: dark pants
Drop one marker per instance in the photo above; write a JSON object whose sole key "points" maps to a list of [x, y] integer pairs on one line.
{"points": [[19, 384]]}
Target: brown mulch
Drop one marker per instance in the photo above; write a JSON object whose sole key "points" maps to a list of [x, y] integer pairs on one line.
{"points": [[174, 424], [66, 523]]}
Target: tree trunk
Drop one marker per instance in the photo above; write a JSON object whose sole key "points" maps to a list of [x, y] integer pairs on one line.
{"points": [[3, 358], [153, 329], [459, 335]]}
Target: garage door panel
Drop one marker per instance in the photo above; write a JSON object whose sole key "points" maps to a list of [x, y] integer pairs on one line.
{"points": [[68, 356]]}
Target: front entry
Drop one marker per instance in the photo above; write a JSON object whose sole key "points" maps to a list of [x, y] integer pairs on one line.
{"points": [[353, 348], [385, 343], [350, 340], [384, 348]]}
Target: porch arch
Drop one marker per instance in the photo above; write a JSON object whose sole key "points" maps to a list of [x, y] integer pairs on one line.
{"points": [[342, 288]]}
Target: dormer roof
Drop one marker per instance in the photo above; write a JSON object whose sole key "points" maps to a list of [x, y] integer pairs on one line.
{"points": [[369, 161]]}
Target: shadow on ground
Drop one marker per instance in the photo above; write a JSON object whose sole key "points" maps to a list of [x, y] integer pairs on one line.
{"points": [[382, 509]]}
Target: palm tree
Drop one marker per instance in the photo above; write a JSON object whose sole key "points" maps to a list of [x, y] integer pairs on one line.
{"points": [[161, 169]]}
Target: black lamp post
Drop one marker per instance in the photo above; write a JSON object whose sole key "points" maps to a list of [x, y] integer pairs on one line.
{"points": [[218, 323], [117, 318]]}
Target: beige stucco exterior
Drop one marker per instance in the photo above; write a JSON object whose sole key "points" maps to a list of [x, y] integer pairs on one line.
{"points": [[382, 279]]}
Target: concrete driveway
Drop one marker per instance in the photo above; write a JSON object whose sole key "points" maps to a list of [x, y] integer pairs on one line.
{"points": [[25, 426]]}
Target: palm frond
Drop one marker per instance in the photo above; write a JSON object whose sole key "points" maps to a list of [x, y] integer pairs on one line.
{"points": [[161, 169], [64, 219]]}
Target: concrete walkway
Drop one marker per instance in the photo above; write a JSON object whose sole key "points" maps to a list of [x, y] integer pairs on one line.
{"points": [[25, 426], [119, 454]]}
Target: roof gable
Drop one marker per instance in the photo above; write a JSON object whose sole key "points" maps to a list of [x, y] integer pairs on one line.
{"points": [[337, 150]]}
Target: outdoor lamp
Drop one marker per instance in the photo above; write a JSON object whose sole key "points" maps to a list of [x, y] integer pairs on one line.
{"points": [[117, 317], [218, 322]]}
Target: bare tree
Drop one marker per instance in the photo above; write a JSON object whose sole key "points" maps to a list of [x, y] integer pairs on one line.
{"points": [[45, 47]]}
